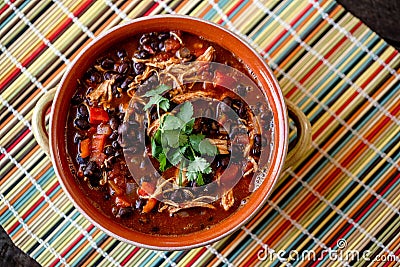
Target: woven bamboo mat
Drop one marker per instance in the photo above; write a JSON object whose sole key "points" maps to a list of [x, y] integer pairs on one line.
{"points": [[343, 197]]}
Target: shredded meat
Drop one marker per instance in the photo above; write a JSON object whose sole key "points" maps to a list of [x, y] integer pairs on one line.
{"points": [[103, 93], [227, 200]]}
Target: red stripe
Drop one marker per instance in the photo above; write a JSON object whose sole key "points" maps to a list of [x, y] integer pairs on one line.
{"points": [[358, 218], [397, 253], [310, 198], [231, 10], [34, 206], [292, 23], [148, 12], [351, 98], [196, 257], [15, 143], [130, 255], [38, 50], [311, 72], [72, 245], [6, 6]]}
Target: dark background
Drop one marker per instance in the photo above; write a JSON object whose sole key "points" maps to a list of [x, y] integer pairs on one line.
{"points": [[382, 16]]}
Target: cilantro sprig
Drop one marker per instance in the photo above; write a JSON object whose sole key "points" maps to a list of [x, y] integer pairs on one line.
{"points": [[175, 141]]}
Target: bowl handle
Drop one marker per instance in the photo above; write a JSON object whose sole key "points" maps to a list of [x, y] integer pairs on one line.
{"points": [[303, 135], [38, 120]]}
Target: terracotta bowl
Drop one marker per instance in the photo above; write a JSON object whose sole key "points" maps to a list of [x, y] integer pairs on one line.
{"points": [[59, 111]]}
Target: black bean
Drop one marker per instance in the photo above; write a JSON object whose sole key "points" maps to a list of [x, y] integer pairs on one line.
{"points": [[123, 68], [107, 63], [154, 45], [76, 99], [117, 153], [114, 123], [115, 145], [163, 35], [80, 160], [121, 53], [144, 39], [139, 68], [107, 196], [77, 137], [114, 89], [242, 112], [81, 124], [124, 212], [161, 46], [83, 111], [114, 135], [121, 116], [125, 83], [108, 75], [145, 178], [95, 77], [109, 150], [225, 161], [257, 140], [242, 90], [227, 100], [142, 54], [256, 150], [139, 203], [90, 169]]}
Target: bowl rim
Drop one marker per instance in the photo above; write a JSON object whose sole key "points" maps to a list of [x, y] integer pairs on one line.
{"points": [[278, 157]]}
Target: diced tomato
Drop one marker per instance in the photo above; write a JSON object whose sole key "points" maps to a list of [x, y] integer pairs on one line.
{"points": [[122, 202], [97, 115], [97, 156], [224, 80], [151, 203], [148, 188], [172, 45], [84, 148], [98, 141], [199, 51]]}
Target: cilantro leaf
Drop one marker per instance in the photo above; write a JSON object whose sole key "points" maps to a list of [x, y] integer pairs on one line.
{"points": [[155, 149], [205, 147], [175, 156], [199, 164], [195, 140], [186, 112], [191, 176], [170, 138], [162, 158], [162, 88], [156, 100], [199, 179], [172, 123], [188, 128], [164, 104]]}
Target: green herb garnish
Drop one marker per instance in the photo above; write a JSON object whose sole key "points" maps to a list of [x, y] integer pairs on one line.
{"points": [[175, 141]]}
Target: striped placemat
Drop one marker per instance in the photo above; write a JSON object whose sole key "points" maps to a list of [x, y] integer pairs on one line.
{"points": [[339, 206]]}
